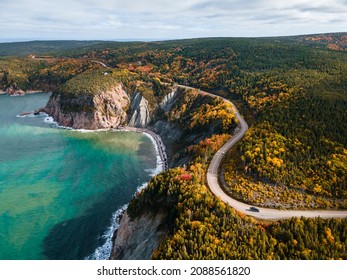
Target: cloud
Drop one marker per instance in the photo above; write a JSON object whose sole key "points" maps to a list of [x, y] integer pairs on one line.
{"points": [[111, 19]]}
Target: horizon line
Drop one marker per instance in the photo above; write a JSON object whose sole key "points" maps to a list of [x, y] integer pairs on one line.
{"points": [[26, 40]]}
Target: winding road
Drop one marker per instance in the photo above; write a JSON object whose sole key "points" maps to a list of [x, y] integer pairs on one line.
{"points": [[264, 213], [212, 175]]}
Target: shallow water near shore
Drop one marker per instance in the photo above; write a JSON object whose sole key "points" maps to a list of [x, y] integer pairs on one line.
{"points": [[60, 188]]}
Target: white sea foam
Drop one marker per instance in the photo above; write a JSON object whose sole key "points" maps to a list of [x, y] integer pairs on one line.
{"points": [[29, 115], [25, 116], [103, 252], [160, 166], [91, 131], [49, 120], [46, 118], [140, 188]]}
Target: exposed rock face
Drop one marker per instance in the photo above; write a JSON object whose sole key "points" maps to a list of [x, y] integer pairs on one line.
{"points": [[14, 90], [170, 133], [140, 113], [102, 110], [137, 239], [168, 100]]}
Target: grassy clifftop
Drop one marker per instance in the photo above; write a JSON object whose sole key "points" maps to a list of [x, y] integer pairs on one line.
{"points": [[93, 82], [292, 92]]}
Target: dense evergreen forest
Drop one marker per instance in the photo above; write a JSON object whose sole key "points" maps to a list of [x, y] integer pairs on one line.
{"points": [[42, 47], [292, 92]]}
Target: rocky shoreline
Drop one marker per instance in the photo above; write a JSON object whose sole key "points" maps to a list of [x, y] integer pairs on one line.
{"points": [[20, 92], [102, 110], [160, 147], [101, 117], [120, 220], [121, 224], [15, 90], [115, 109]]}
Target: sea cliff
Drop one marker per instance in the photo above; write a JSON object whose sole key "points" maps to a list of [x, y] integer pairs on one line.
{"points": [[172, 116], [86, 106], [106, 109], [139, 111], [137, 239]]}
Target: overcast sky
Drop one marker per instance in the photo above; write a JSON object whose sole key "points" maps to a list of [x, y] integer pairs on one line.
{"points": [[167, 19]]}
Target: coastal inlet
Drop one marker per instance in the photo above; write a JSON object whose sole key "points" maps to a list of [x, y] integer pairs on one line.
{"points": [[59, 188]]}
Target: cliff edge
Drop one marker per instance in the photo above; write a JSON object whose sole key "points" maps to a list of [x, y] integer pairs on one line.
{"points": [[106, 109], [137, 239], [92, 100], [105, 100]]}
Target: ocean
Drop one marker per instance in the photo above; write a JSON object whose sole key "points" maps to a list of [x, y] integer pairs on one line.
{"points": [[60, 189]]}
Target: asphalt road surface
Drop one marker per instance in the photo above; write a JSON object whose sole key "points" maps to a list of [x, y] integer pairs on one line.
{"points": [[264, 213]]}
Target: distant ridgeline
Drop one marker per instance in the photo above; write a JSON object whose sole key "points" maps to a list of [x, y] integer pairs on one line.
{"points": [[292, 92]]}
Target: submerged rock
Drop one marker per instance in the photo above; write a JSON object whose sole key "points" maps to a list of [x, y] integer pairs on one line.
{"points": [[38, 111], [25, 114]]}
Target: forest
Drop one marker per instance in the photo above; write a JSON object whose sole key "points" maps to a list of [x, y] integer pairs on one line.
{"points": [[292, 92], [203, 227]]}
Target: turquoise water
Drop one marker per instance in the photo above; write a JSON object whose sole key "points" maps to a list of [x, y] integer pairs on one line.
{"points": [[58, 187]]}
